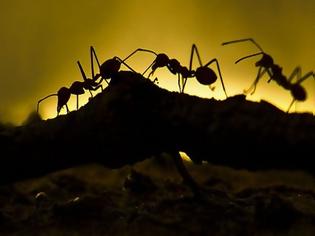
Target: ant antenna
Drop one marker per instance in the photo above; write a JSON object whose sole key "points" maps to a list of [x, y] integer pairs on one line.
{"points": [[93, 55], [252, 55], [220, 75], [194, 49], [43, 100], [142, 50], [122, 62], [82, 71], [243, 40]]}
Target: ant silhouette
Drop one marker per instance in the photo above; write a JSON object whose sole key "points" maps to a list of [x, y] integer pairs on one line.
{"points": [[77, 88], [109, 68], [266, 65], [203, 74]]}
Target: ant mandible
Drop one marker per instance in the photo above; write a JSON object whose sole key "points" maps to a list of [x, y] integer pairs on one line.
{"points": [[76, 88], [266, 65], [203, 74]]}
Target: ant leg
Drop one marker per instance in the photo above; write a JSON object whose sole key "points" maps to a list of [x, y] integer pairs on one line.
{"points": [[95, 88], [82, 71], [253, 86], [179, 83], [67, 108], [218, 67], [243, 40], [77, 101], [296, 72], [151, 73], [311, 73], [149, 68], [194, 49], [141, 50], [121, 61], [293, 101], [92, 56], [184, 81]]}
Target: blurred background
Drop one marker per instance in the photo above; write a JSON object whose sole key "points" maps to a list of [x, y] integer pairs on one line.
{"points": [[41, 42]]}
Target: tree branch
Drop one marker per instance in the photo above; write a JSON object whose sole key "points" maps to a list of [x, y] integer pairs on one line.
{"points": [[133, 119]]}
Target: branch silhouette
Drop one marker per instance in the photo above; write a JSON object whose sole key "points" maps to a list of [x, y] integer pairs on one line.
{"points": [[133, 119]]}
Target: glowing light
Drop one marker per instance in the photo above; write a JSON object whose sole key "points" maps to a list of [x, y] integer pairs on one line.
{"points": [[184, 156], [43, 52]]}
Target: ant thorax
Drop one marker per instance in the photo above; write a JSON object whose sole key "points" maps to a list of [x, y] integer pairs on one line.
{"points": [[174, 66], [186, 73]]}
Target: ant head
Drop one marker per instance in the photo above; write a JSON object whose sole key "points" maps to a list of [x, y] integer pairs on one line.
{"points": [[174, 66], [63, 97], [109, 67], [298, 92], [160, 61], [266, 61], [205, 75]]}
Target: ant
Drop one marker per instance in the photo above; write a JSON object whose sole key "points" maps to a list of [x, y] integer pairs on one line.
{"points": [[108, 68], [266, 65], [76, 88], [203, 74]]}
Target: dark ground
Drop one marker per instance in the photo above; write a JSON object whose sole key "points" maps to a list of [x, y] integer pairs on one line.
{"points": [[93, 200], [259, 181]]}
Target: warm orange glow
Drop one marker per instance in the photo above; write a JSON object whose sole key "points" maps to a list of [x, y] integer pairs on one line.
{"points": [[41, 42]]}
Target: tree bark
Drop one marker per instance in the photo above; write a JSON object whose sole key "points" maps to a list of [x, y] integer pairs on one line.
{"points": [[133, 119]]}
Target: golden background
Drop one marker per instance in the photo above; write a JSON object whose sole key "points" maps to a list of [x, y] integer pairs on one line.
{"points": [[42, 40]]}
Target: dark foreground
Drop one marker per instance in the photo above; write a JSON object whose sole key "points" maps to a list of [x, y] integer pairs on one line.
{"points": [[93, 200], [134, 124]]}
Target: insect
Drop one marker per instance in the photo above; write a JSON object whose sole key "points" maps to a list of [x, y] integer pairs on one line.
{"points": [[108, 68], [77, 88], [274, 71], [203, 73]]}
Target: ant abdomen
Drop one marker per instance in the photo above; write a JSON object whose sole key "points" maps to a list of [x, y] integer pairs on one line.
{"points": [[298, 92], [205, 75]]}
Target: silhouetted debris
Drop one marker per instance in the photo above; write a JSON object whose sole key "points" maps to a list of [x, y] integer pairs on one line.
{"points": [[138, 183], [32, 118]]}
